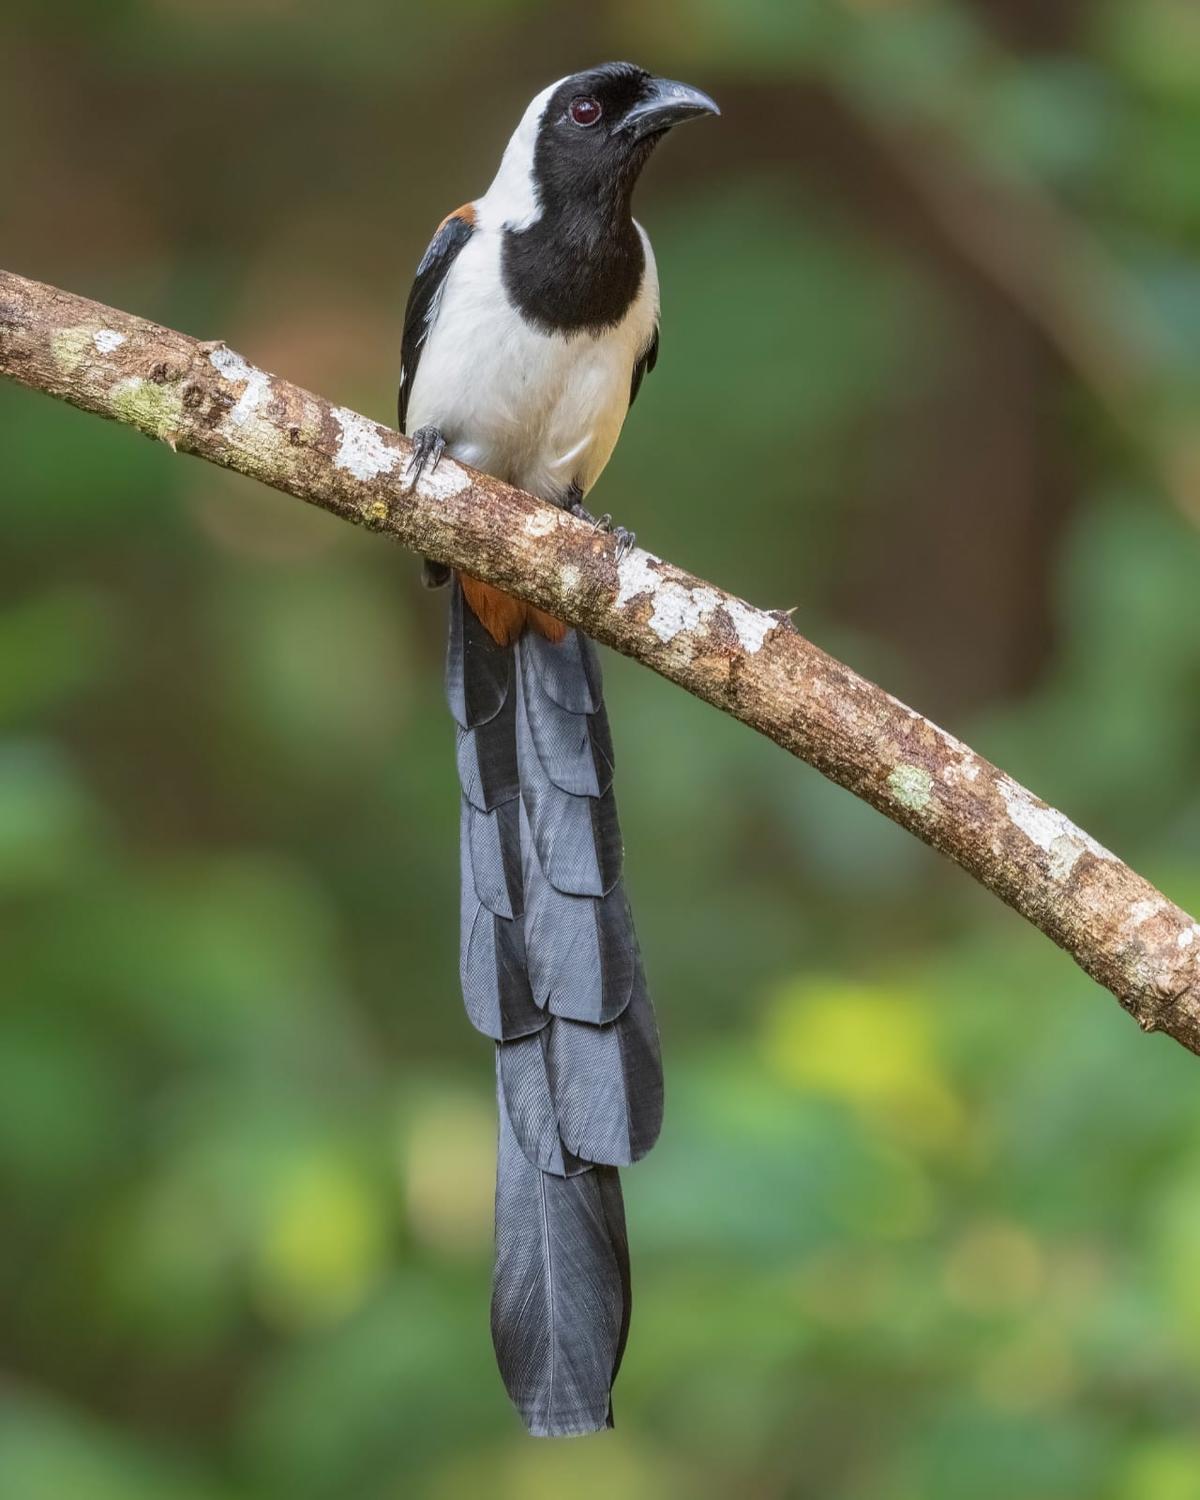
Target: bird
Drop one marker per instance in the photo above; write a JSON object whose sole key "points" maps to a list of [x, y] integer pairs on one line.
{"points": [[531, 324]]}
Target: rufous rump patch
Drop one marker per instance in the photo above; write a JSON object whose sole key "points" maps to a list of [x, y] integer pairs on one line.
{"points": [[504, 617]]}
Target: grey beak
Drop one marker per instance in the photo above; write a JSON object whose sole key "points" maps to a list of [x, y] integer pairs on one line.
{"points": [[670, 103]]}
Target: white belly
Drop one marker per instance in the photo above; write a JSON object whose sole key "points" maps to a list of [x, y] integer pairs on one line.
{"points": [[537, 410]]}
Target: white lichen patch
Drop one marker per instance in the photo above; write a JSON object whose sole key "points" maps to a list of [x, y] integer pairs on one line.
{"points": [[678, 609], [362, 450], [1051, 831], [365, 450], [751, 626], [912, 787], [444, 482], [107, 339], [570, 577], [1188, 936], [231, 366], [636, 575]]}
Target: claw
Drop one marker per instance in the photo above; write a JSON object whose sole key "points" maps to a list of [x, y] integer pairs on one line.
{"points": [[597, 523], [428, 445], [626, 542]]}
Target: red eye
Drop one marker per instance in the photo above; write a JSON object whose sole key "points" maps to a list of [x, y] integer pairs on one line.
{"points": [[585, 111]]}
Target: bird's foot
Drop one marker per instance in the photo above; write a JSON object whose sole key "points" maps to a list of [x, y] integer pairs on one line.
{"points": [[626, 540], [577, 508], [428, 445], [434, 575]]}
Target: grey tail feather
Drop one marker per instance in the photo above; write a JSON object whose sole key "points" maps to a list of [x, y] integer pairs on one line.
{"points": [[560, 1291], [551, 971]]}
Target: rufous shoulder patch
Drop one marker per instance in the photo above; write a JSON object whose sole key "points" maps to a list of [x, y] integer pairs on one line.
{"points": [[466, 213]]}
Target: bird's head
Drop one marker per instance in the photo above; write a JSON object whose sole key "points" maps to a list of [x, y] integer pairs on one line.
{"points": [[584, 140], [599, 127]]}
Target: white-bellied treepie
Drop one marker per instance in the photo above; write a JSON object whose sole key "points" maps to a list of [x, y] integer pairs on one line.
{"points": [[531, 324]]}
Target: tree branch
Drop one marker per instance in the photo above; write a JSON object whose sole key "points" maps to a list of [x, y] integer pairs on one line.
{"points": [[204, 399]]}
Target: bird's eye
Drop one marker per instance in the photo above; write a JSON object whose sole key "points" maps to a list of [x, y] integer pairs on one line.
{"points": [[586, 111]]}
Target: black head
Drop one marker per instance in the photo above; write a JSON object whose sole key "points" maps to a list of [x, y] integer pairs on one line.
{"points": [[598, 130], [573, 258]]}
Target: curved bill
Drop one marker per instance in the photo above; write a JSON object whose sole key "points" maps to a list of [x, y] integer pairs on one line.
{"points": [[668, 104]]}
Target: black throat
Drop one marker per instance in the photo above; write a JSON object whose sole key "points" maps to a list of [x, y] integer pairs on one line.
{"points": [[578, 268]]}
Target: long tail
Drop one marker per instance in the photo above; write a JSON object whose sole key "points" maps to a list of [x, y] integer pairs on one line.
{"points": [[551, 971]]}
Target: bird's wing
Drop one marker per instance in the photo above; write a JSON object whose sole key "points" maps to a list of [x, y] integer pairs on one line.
{"points": [[646, 362], [453, 233]]}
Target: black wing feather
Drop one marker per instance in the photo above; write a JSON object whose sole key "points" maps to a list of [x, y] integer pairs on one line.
{"points": [[453, 233], [644, 365]]}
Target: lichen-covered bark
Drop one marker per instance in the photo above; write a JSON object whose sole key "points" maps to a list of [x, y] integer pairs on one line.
{"points": [[204, 399]]}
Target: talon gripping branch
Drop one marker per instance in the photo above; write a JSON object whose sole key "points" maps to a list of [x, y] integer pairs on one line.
{"points": [[531, 324]]}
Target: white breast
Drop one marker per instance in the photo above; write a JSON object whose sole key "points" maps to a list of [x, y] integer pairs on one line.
{"points": [[538, 410]]}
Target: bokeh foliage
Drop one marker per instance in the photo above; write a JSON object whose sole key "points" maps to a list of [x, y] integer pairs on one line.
{"points": [[925, 1219]]}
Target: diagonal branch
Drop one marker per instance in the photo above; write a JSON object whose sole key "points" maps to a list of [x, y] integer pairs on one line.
{"points": [[206, 400]]}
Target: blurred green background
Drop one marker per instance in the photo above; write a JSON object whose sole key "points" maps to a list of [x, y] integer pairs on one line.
{"points": [[924, 1223]]}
